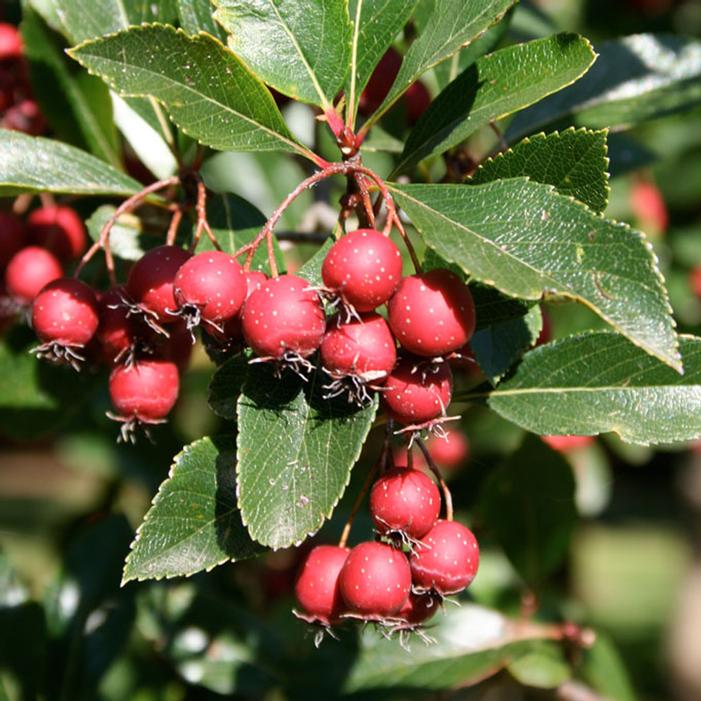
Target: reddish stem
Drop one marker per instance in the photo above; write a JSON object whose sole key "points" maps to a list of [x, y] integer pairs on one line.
{"points": [[447, 496]]}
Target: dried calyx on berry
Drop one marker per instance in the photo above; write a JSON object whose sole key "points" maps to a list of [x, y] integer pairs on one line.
{"points": [[65, 318]]}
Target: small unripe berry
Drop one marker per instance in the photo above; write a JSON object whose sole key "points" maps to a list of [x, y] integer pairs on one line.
{"points": [[214, 283], [405, 501], [649, 207], [565, 444], [415, 396], [432, 314], [283, 316], [446, 559], [12, 237], [146, 390], [65, 312], [375, 580], [150, 281], [364, 268], [29, 271], [59, 229], [450, 450], [364, 348], [10, 42], [316, 588]]}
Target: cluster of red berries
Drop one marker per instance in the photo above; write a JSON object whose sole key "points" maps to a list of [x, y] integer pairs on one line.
{"points": [[18, 110], [399, 580]]}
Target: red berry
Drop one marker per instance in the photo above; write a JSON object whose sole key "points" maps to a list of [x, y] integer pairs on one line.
{"points": [[59, 229], [364, 268], [12, 237], [417, 99], [419, 608], [405, 501], [176, 346], [364, 348], [24, 116], [451, 450], [446, 560], [564, 444], [432, 314], [284, 315], [375, 580], [214, 283], [695, 280], [10, 42], [65, 312], [115, 334], [316, 588], [380, 82], [29, 271], [146, 390], [649, 207], [150, 281], [416, 396], [231, 331]]}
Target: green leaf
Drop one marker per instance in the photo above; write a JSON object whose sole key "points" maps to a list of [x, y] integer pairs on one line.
{"points": [[603, 668], [232, 111], [311, 270], [450, 26], [295, 452], [544, 667], [376, 23], [198, 16], [193, 524], [235, 222], [635, 79], [226, 385], [501, 344], [525, 239], [125, 235], [471, 644], [34, 164], [313, 36], [493, 87], [572, 161], [71, 100], [598, 382], [495, 308], [36, 398], [528, 506]]}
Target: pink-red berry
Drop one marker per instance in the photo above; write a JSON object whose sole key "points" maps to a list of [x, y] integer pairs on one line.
{"points": [[58, 229], [150, 282], [146, 390], [419, 608], [380, 82], [284, 316], [414, 394], [28, 271], [10, 42], [213, 283], [565, 444], [364, 268], [451, 450], [375, 580], [432, 314], [317, 589], [364, 348], [405, 501], [65, 312], [12, 237], [115, 334], [446, 559]]}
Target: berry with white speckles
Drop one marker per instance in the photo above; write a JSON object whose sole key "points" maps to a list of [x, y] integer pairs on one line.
{"points": [[446, 559], [316, 589], [364, 348], [65, 312], [213, 283], [419, 608], [375, 580], [363, 268], [150, 282], [415, 396], [432, 314], [28, 271], [146, 390], [405, 501], [283, 316]]}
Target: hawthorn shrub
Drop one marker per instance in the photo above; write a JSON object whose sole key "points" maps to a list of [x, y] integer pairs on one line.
{"points": [[436, 181]]}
